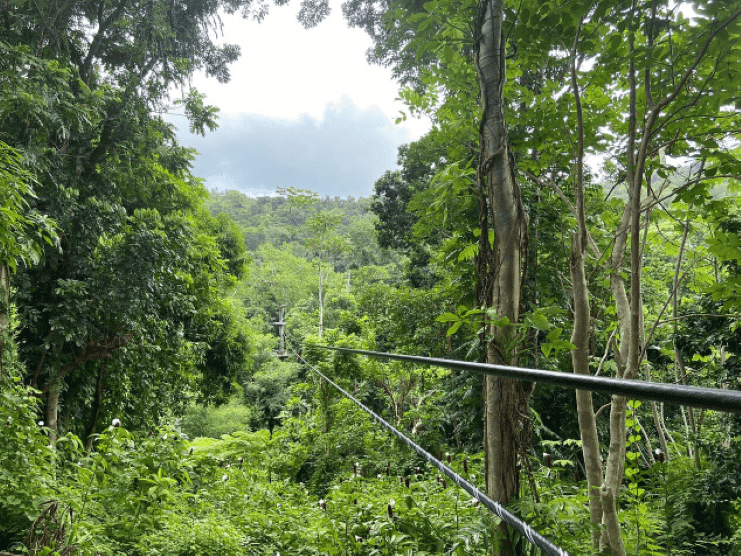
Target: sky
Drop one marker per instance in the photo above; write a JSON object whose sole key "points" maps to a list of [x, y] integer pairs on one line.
{"points": [[303, 109]]}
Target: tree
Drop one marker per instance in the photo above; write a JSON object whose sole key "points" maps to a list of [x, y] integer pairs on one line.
{"points": [[324, 243], [276, 277], [502, 221], [320, 239], [136, 263], [402, 201], [21, 230], [664, 94], [499, 262], [391, 199], [645, 91]]}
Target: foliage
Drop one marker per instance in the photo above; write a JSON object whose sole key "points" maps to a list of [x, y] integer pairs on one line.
{"points": [[702, 507], [268, 393], [214, 422], [136, 262], [21, 229], [27, 474]]}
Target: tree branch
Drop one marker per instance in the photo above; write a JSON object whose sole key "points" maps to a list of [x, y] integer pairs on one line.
{"points": [[690, 70], [93, 350]]}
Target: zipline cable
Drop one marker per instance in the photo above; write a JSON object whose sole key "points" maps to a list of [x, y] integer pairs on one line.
{"points": [[513, 521], [708, 398]]}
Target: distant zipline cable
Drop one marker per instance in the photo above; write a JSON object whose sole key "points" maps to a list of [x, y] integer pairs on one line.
{"points": [[521, 527], [708, 398]]}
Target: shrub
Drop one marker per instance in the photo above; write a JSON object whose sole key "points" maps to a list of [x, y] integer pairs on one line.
{"points": [[27, 470], [213, 422]]}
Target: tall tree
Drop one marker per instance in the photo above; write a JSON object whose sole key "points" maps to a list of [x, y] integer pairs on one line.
{"points": [[451, 29], [21, 230], [82, 85], [644, 77], [500, 262], [666, 71], [321, 240]]}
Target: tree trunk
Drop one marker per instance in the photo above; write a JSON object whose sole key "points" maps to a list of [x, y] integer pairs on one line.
{"points": [[52, 410], [4, 315], [97, 404], [612, 525], [582, 316], [625, 359], [4, 299], [321, 298], [678, 360], [693, 441], [584, 404], [500, 263]]}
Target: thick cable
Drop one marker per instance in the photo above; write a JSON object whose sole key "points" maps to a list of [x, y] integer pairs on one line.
{"points": [[708, 398], [513, 521]]}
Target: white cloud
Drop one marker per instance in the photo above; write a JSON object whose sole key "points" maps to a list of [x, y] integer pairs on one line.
{"points": [[342, 153], [286, 71], [302, 108]]}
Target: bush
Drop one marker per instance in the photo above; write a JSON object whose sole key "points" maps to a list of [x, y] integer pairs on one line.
{"points": [[705, 505], [27, 470], [192, 536], [213, 422]]}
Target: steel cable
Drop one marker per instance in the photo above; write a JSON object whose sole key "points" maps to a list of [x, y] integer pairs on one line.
{"points": [[708, 398], [513, 521]]}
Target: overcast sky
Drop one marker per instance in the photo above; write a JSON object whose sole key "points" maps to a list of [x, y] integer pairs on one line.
{"points": [[303, 109]]}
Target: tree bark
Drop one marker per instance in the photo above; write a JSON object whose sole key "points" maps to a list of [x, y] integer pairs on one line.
{"points": [[92, 351], [582, 317], [4, 314], [97, 404], [52, 410], [629, 324], [612, 525], [499, 262], [4, 299]]}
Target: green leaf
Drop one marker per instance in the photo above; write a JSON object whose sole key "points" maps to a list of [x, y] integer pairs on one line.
{"points": [[540, 321], [453, 329], [468, 252], [448, 54], [502, 322], [448, 317]]}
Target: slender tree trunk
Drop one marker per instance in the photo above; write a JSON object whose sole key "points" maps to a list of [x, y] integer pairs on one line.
{"points": [[693, 428], [97, 404], [659, 426], [4, 315], [582, 316], [646, 366], [321, 298], [629, 325], [500, 264], [612, 525], [52, 410], [4, 299], [678, 360]]}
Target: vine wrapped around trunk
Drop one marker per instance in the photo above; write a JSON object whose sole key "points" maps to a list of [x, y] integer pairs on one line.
{"points": [[500, 262]]}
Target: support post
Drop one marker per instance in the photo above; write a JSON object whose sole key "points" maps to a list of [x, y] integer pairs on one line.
{"points": [[281, 353]]}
